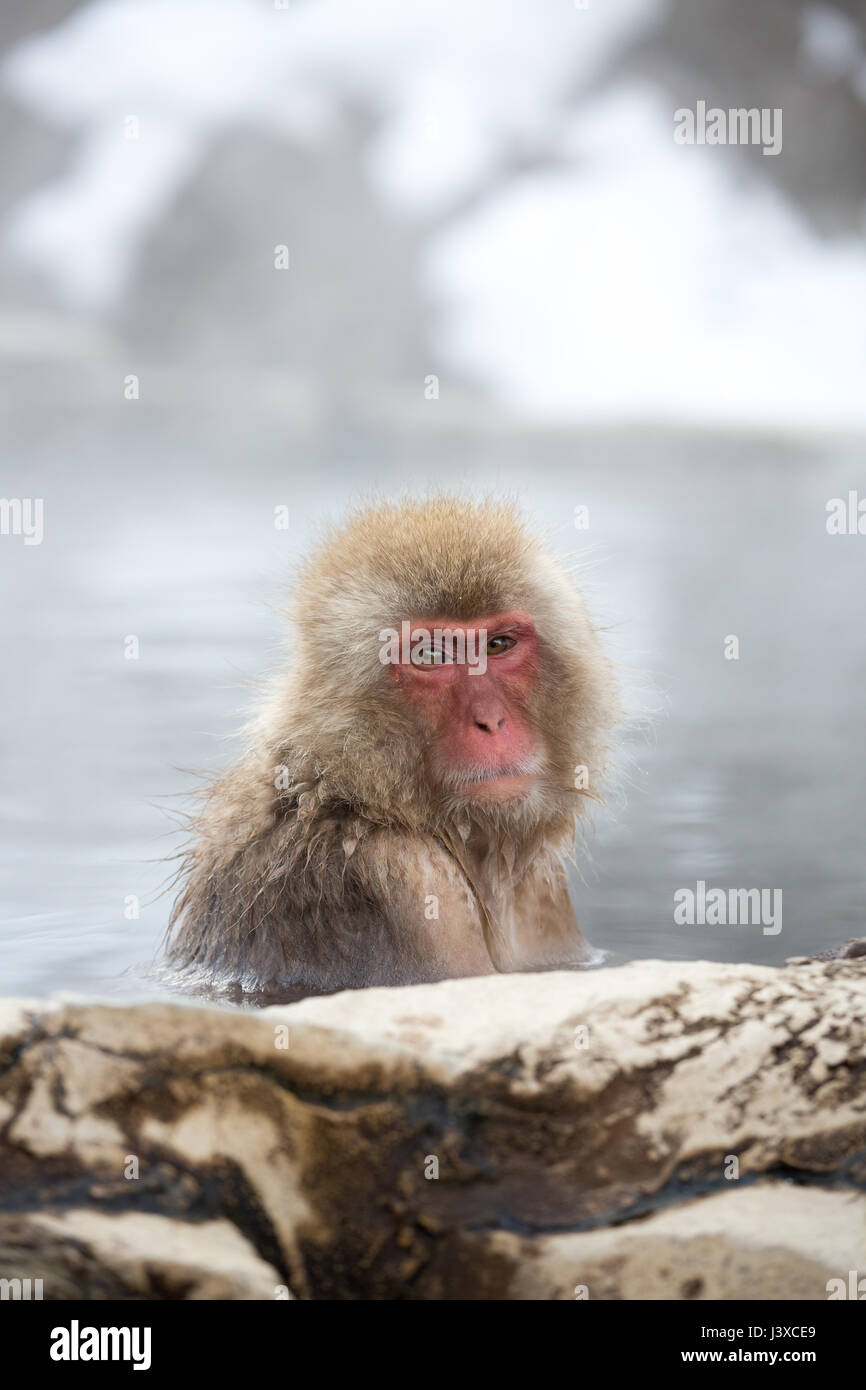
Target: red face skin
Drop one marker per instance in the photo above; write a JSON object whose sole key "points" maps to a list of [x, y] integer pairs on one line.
{"points": [[485, 749]]}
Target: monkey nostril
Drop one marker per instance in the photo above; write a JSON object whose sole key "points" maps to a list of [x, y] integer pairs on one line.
{"points": [[490, 726]]}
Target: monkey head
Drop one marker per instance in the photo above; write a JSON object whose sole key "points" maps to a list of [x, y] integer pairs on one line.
{"points": [[443, 670]]}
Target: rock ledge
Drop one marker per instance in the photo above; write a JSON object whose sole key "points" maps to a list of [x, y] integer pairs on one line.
{"points": [[659, 1130]]}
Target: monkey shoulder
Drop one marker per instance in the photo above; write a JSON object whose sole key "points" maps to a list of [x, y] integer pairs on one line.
{"points": [[431, 915], [548, 936], [411, 867]]}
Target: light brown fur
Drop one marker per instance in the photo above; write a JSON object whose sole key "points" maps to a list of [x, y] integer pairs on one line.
{"points": [[317, 854]]}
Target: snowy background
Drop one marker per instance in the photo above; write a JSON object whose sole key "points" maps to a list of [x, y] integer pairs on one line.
{"points": [[672, 336]]}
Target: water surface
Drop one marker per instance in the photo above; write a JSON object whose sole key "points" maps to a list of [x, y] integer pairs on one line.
{"points": [[745, 774]]}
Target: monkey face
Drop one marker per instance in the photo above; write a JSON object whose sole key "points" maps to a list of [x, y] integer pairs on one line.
{"points": [[471, 685]]}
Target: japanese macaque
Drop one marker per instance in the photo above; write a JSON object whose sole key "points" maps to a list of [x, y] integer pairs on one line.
{"points": [[412, 782]]}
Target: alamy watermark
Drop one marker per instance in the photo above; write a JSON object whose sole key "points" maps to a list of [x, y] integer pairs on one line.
{"points": [[77, 1343], [421, 646], [854, 1287], [729, 907], [846, 516], [739, 125], [23, 516], [21, 1290]]}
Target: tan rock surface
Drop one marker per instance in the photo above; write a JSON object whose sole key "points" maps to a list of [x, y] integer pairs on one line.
{"points": [[551, 1105]]}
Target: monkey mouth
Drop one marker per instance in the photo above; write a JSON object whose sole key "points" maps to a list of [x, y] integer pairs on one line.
{"points": [[480, 782]]}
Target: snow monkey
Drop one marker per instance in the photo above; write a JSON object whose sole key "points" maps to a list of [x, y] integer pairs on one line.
{"points": [[411, 783]]}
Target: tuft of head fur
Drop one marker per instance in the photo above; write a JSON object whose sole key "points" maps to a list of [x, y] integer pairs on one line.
{"points": [[334, 754]]}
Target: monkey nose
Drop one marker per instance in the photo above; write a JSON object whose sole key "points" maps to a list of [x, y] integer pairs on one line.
{"points": [[490, 723]]}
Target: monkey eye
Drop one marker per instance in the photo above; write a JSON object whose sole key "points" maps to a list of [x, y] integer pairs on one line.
{"points": [[497, 645], [428, 656]]}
